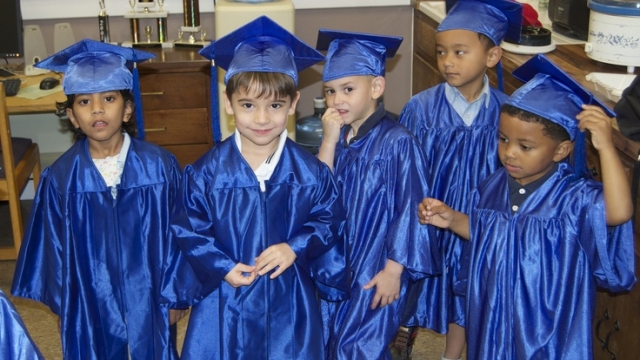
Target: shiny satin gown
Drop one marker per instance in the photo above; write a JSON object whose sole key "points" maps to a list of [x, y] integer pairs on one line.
{"points": [[227, 220], [459, 157], [533, 274], [382, 181], [98, 263], [15, 342]]}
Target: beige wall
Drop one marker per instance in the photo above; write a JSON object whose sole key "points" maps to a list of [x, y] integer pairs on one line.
{"points": [[394, 20]]}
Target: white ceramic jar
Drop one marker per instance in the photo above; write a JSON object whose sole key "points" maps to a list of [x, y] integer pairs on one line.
{"points": [[614, 32]]}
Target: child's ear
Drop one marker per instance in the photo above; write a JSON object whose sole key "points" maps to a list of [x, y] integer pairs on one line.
{"points": [[377, 87], [128, 111], [294, 103], [72, 118], [563, 150], [227, 104], [493, 56]]}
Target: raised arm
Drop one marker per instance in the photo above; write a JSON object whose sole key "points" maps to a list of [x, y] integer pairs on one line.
{"points": [[435, 212], [331, 124], [617, 193]]}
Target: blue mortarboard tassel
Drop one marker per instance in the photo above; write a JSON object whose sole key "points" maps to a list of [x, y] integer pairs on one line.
{"points": [[552, 94]]}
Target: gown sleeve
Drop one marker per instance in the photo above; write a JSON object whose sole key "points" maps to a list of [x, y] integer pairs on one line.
{"points": [[320, 245], [39, 269], [15, 342], [609, 248], [410, 243], [192, 229], [181, 286]]}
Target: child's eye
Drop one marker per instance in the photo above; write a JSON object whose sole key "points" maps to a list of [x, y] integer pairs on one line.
{"points": [[329, 91], [276, 106], [503, 139], [83, 101], [247, 105], [439, 53], [348, 90], [525, 147], [109, 98], [460, 52]]}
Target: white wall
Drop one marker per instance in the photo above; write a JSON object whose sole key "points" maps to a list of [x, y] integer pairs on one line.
{"points": [[63, 9]]}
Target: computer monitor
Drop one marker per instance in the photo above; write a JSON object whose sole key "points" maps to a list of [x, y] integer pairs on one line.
{"points": [[11, 38]]}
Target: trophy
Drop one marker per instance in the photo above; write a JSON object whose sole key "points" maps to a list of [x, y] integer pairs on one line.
{"points": [[103, 22], [195, 34], [146, 9]]}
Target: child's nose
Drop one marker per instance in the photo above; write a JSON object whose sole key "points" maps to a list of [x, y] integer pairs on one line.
{"points": [[261, 117], [96, 108]]}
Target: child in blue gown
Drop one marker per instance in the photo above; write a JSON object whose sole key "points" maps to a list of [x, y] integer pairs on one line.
{"points": [[379, 167], [456, 123], [96, 247], [15, 342], [261, 217], [542, 236]]}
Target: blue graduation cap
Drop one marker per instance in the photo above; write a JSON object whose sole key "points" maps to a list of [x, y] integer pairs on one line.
{"points": [[552, 94], [91, 66], [355, 54], [261, 46], [496, 19]]}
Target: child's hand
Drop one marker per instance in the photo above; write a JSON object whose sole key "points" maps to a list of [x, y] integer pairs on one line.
{"points": [[435, 212], [236, 277], [598, 123], [332, 122], [387, 283], [279, 255], [177, 315]]}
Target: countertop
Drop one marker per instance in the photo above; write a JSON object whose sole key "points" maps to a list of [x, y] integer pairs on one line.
{"points": [[573, 60]]}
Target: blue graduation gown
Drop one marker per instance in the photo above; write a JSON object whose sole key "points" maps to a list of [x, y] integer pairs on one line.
{"points": [[458, 158], [227, 220], [97, 262], [15, 342], [533, 274], [382, 180]]}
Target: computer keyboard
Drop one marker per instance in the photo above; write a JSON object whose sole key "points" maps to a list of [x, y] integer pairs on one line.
{"points": [[11, 86]]}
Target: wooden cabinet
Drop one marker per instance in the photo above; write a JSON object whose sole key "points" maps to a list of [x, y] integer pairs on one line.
{"points": [[176, 100], [616, 325]]}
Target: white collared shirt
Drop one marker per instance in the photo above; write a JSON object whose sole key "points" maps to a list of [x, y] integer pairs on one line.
{"points": [[111, 167], [467, 111], [265, 170]]}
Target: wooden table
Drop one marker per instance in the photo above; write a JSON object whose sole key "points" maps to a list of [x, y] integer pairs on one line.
{"points": [[46, 104]]}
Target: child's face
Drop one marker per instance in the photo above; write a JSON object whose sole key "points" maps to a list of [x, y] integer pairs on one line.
{"points": [[463, 60], [259, 120], [100, 116], [525, 152], [355, 97]]}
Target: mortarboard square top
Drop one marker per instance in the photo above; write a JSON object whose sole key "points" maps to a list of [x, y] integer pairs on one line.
{"points": [[496, 19], [355, 54], [552, 94], [261, 46], [91, 66]]}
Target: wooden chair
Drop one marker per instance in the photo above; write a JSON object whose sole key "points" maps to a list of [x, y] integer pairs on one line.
{"points": [[16, 175]]}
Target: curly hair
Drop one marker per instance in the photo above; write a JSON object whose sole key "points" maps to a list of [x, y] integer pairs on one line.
{"points": [[549, 128]]}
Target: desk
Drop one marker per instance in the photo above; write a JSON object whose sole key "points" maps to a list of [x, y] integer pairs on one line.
{"points": [[47, 104]]}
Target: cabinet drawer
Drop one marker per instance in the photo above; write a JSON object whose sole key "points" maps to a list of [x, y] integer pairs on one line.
{"points": [[174, 91], [174, 127], [187, 154]]}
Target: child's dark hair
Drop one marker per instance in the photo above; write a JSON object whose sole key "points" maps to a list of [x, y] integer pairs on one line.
{"points": [[486, 41], [550, 129], [264, 84], [61, 112]]}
